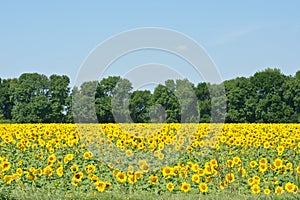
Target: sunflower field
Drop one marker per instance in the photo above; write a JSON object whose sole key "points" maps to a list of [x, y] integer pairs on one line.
{"points": [[251, 159]]}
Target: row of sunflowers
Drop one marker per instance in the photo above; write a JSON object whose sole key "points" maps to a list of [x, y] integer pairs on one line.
{"points": [[262, 159]]}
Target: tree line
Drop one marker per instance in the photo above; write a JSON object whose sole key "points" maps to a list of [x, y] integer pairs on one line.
{"points": [[268, 96]]}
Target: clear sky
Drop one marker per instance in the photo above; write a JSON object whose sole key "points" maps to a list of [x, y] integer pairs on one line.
{"points": [[242, 37]]}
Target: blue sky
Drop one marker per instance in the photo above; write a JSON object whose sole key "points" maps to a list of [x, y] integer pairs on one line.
{"points": [[241, 37]]}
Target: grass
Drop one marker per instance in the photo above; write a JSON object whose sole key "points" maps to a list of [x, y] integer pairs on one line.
{"points": [[40, 194]]}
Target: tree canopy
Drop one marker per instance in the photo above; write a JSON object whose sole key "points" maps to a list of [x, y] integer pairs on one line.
{"points": [[268, 96]]}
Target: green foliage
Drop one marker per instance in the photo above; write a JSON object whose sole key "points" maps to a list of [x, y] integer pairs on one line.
{"points": [[165, 106], [34, 98], [120, 101], [268, 96], [104, 92], [185, 93], [204, 101], [30, 95], [83, 104], [59, 98], [239, 107], [140, 106]]}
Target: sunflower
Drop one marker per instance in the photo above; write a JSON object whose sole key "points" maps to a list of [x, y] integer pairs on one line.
{"points": [[152, 147], [75, 183], [91, 176], [74, 168], [208, 170], [110, 165], [255, 189], [253, 164], [289, 187], [8, 179], [279, 190], [267, 145], [20, 162], [68, 158], [185, 187], [161, 146], [87, 155], [141, 146], [107, 185], [289, 165], [60, 171], [236, 160], [161, 156], [121, 177], [280, 149], [195, 167], [66, 161], [256, 179], [130, 169], [296, 189], [40, 156], [222, 185], [230, 163], [94, 178], [52, 158], [170, 186], [32, 170], [263, 161], [189, 148], [153, 179], [230, 178], [132, 179], [19, 172], [145, 168], [201, 172], [242, 171], [277, 163], [90, 168], [223, 139], [196, 178], [203, 187], [39, 171], [263, 168], [100, 185], [5, 166], [128, 153], [48, 171], [142, 162], [267, 191], [77, 177], [167, 171], [138, 174]]}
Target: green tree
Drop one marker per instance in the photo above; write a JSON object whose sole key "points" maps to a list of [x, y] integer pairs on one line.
{"points": [[120, 101], [185, 94], [139, 106], [291, 98], [297, 75], [267, 87], [104, 94], [59, 98], [238, 92], [218, 102], [83, 102], [204, 101], [165, 105], [6, 100], [31, 102]]}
